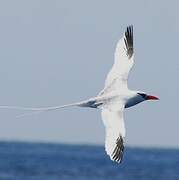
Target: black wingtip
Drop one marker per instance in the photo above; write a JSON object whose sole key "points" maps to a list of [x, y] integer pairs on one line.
{"points": [[129, 41], [117, 154]]}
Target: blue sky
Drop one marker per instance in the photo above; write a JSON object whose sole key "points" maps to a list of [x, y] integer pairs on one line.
{"points": [[58, 52]]}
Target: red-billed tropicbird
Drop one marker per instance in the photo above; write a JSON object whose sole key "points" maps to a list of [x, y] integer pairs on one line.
{"points": [[113, 98]]}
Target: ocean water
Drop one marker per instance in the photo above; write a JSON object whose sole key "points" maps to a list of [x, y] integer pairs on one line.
{"points": [[36, 161]]}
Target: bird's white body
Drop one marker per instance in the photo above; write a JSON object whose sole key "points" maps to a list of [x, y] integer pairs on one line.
{"points": [[113, 98]]}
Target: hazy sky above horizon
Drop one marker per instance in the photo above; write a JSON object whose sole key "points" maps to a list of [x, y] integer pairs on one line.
{"points": [[58, 52]]}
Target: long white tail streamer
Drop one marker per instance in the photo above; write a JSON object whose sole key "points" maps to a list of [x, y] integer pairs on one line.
{"points": [[43, 109], [35, 110]]}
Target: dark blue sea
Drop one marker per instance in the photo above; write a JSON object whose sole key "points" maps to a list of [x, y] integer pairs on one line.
{"points": [[38, 161]]}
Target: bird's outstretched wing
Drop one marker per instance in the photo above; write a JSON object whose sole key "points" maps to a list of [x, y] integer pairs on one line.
{"points": [[123, 62], [115, 132]]}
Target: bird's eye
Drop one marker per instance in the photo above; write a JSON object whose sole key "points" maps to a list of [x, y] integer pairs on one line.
{"points": [[143, 95]]}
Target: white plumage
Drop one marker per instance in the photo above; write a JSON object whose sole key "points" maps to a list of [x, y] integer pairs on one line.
{"points": [[114, 124], [123, 61], [113, 98], [116, 84]]}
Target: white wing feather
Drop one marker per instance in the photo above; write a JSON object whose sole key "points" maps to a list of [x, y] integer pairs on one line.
{"points": [[123, 62], [115, 132], [116, 81]]}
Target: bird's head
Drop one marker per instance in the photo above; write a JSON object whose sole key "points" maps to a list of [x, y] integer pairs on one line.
{"points": [[147, 96]]}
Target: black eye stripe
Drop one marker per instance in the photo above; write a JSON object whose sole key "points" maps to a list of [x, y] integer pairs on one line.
{"points": [[142, 94]]}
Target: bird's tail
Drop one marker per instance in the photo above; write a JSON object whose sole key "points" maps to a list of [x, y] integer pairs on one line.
{"points": [[39, 110]]}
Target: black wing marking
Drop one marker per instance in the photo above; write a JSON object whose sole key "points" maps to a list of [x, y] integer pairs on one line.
{"points": [[117, 154], [128, 39]]}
